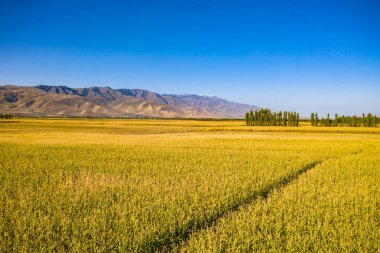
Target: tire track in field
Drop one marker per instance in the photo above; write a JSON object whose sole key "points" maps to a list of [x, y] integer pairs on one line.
{"points": [[265, 195], [167, 241]]}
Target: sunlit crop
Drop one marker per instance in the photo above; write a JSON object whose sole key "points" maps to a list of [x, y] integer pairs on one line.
{"points": [[161, 185]]}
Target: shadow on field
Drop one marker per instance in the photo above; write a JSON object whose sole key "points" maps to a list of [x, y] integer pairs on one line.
{"points": [[167, 241]]}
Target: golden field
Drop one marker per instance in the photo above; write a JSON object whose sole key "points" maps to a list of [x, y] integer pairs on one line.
{"points": [[105, 185]]}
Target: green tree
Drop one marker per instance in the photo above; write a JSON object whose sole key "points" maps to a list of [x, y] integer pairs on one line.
{"points": [[285, 118], [328, 121], [316, 120], [375, 120], [335, 121], [363, 120], [369, 120], [298, 119]]}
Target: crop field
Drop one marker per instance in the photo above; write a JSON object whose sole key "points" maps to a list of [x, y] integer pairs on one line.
{"points": [[93, 185]]}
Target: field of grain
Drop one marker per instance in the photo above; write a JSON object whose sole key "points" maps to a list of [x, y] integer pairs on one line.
{"points": [[78, 185]]}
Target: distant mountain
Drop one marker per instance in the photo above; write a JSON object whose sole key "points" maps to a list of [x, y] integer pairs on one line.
{"points": [[63, 101]]}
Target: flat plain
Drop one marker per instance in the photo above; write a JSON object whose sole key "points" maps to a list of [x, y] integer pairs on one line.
{"points": [[113, 185]]}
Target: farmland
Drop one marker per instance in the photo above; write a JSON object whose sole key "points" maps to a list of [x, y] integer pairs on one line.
{"points": [[74, 185]]}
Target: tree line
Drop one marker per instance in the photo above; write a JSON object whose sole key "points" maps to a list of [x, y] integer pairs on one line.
{"points": [[265, 117], [369, 120], [6, 116]]}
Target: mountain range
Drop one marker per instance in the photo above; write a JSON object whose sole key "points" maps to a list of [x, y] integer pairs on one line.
{"points": [[63, 101]]}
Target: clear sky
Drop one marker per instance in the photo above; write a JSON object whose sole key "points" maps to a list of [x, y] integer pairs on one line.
{"points": [[321, 56]]}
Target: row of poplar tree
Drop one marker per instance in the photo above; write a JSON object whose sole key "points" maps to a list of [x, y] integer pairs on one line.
{"points": [[264, 117], [6, 116], [369, 120]]}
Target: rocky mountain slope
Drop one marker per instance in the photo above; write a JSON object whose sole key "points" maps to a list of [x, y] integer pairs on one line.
{"points": [[63, 101]]}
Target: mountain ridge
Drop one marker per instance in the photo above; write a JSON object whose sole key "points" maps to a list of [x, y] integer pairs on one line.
{"points": [[64, 101]]}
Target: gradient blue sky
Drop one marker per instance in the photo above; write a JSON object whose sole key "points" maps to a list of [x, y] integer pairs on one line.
{"points": [[321, 56]]}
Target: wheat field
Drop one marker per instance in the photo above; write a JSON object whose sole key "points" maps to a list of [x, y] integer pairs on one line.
{"points": [[102, 185]]}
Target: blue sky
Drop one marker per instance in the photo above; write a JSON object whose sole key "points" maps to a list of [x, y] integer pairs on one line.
{"points": [[308, 56]]}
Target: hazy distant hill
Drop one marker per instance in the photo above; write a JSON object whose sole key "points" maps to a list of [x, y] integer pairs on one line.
{"points": [[63, 101]]}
